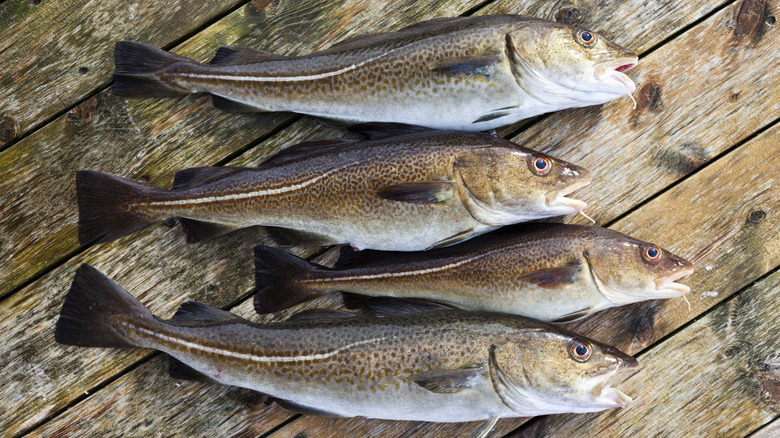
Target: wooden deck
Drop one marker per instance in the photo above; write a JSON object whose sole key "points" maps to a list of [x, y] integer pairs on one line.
{"points": [[695, 168]]}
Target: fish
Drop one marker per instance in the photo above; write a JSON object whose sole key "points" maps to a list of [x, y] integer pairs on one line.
{"points": [[464, 73], [403, 189], [398, 363], [549, 272]]}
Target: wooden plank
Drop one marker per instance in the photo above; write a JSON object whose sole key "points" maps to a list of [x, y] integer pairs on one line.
{"points": [[714, 231], [722, 373], [771, 430], [55, 53], [156, 256], [154, 138]]}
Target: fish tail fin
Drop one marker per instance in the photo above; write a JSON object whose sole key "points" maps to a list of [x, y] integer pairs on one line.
{"points": [[137, 68], [90, 307], [275, 275], [104, 213]]}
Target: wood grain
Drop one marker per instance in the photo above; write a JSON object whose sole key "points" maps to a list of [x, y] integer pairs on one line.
{"points": [[719, 376], [153, 138], [55, 53], [739, 185]]}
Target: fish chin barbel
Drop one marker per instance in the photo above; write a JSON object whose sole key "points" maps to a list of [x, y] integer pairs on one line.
{"points": [[467, 73]]}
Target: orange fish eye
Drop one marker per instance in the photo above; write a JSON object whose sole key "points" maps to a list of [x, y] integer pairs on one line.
{"points": [[580, 350], [585, 38], [541, 165], [651, 253]]}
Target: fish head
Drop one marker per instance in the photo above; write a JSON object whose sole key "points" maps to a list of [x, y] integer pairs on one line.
{"points": [[565, 66], [506, 185], [628, 270], [554, 371]]}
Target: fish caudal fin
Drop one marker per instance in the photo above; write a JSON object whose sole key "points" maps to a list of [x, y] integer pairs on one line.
{"points": [[275, 275], [137, 68], [90, 307], [103, 199]]}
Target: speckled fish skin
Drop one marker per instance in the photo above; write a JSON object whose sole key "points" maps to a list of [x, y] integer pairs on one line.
{"points": [[356, 193], [444, 366], [468, 73], [551, 272]]}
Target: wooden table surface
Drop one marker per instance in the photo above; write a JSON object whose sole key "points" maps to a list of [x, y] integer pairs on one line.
{"points": [[694, 168]]}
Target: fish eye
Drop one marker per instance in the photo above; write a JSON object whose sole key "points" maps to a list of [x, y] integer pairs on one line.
{"points": [[651, 253], [541, 165], [580, 351], [585, 38]]}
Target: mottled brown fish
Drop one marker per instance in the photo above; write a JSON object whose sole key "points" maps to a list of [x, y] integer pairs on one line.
{"points": [[468, 73], [551, 272], [436, 365], [407, 192]]}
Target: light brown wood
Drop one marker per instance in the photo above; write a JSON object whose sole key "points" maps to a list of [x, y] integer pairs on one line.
{"points": [[720, 376], [55, 53], [700, 95], [770, 430]]}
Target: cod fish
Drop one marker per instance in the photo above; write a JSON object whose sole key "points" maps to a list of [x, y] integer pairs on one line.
{"points": [[467, 73], [550, 272], [407, 192], [434, 365]]}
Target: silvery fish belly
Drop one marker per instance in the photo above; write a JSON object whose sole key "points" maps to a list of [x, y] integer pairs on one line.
{"points": [[406, 192], [410, 364], [468, 73], [550, 272]]}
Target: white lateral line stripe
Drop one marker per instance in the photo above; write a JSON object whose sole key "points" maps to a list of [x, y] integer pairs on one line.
{"points": [[274, 79], [237, 196], [251, 357], [402, 274]]}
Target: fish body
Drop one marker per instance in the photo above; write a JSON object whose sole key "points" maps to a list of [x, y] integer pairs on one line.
{"points": [[444, 366], [550, 272], [407, 192], [468, 73]]}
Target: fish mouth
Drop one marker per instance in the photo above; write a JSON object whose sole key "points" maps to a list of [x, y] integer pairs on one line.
{"points": [[614, 70], [557, 198], [604, 394], [668, 287]]}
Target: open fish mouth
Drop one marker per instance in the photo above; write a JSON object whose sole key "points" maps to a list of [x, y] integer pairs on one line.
{"points": [[614, 70], [557, 198], [603, 392], [668, 287]]}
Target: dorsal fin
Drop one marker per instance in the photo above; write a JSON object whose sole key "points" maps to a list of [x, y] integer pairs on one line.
{"points": [[433, 23], [197, 176], [307, 148], [361, 41], [195, 312], [320, 314], [379, 130], [229, 55]]}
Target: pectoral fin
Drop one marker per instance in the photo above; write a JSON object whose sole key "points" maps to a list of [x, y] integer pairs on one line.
{"points": [[448, 381], [472, 66], [425, 192], [484, 429], [550, 278]]}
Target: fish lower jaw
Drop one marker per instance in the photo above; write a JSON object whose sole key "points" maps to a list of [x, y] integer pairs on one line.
{"points": [[668, 287], [614, 398]]}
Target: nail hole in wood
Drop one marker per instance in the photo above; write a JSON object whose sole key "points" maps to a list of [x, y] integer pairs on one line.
{"points": [[83, 70]]}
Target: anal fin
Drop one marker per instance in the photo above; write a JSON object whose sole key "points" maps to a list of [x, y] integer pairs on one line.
{"points": [[231, 106], [448, 381], [180, 370], [302, 409], [196, 231], [452, 239]]}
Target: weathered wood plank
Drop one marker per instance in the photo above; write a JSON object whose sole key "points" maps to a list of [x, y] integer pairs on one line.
{"points": [[55, 53], [771, 430], [713, 230], [719, 376], [147, 138]]}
